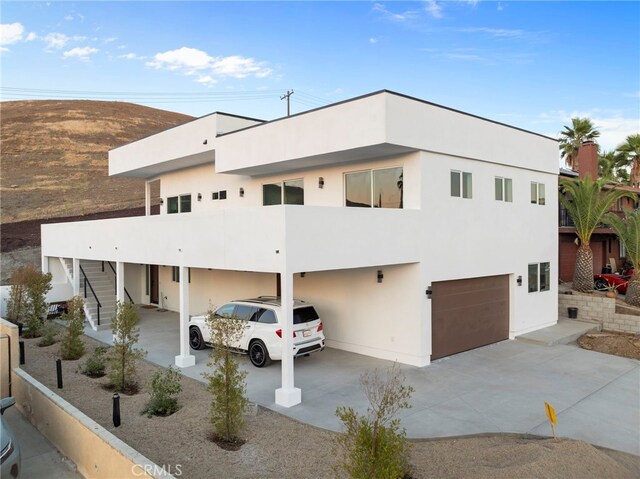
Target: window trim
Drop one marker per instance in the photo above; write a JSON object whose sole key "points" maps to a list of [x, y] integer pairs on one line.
{"points": [[505, 198], [539, 286], [537, 186]]}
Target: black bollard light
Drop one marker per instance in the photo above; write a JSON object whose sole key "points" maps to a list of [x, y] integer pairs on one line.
{"points": [[21, 346], [116, 409], [59, 372]]}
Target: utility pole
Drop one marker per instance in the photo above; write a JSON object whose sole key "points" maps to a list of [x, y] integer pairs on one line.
{"points": [[288, 97]]}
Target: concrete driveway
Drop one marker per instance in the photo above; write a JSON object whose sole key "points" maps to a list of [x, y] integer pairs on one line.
{"points": [[497, 388]]}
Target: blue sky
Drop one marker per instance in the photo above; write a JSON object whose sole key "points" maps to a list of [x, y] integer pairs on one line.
{"points": [[530, 64]]}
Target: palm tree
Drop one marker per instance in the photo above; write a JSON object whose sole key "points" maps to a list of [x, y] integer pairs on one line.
{"points": [[581, 131], [587, 204], [630, 156], [628, 230], [611, 167]]}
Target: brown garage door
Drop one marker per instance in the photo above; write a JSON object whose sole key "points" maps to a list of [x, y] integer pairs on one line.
{"points": [[468, 313]]}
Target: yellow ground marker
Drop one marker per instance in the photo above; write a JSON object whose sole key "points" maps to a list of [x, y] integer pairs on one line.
{"points": [[551, 415]]}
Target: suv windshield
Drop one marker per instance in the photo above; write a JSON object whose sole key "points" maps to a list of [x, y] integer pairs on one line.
{"points": [[305, 314]]}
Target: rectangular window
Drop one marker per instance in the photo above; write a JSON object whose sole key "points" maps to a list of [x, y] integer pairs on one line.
{"points": [[623, 249], [272, 194], [294, 192], [291, 194], [358, 189], [461, 182], [533, 278], [381, 188], [455, 184], [537, 193], [387, 188], [504, 189], [175, 274], [539, 277], [179, 204], [545, 276], [223, 194], [185, 203], [172, 204], [215, 195], [147, 279]]}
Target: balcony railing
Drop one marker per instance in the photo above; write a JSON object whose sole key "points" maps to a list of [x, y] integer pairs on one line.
{"points": [[566, 221]]}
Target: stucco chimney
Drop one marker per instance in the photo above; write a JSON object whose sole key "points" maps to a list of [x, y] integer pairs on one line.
{"points": [[587, 160]]}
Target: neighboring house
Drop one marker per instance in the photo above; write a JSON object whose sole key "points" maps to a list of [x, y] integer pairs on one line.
{"points": [[416, 230], [604, 242]]}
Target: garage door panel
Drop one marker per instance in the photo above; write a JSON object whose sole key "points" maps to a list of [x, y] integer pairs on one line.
{"points": [[469, 313]]}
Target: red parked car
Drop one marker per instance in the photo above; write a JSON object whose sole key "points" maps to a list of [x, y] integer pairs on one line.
{"points": [[620, 281]]}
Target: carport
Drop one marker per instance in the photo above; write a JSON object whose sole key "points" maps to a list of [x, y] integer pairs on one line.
{"points": [[497, 388]]}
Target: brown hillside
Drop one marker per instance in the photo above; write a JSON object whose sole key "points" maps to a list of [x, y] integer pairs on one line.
{"points": [[54, 156]]}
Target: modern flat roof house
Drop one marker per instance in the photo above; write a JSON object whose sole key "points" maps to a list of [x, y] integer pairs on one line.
{"points": [[417, 231]]}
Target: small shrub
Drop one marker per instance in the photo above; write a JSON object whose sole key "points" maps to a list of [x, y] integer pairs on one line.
{"points": [[227, 381], [49, 333], [72, 346], [123, 355], [95, 365], [165, 387], [373, 446], [26, 302]]}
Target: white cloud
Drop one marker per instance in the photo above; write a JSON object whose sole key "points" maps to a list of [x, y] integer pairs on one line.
{"points": [[433, 8], [373, 40], [68, 18], [206, 68], [81, 53], [396, 17], [32, 36], [56, 40], [496, 32], [11, 33], [110, 39], [131, 56]]}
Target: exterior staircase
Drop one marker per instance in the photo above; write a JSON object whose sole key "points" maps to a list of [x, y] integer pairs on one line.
{"points": [[98, 287]]}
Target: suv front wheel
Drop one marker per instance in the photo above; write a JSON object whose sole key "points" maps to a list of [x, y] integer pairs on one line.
{"points": [[258, 354]]}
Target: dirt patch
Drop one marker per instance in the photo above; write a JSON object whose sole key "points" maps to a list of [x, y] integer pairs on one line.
{"points": [[626, 345], [280, 447]]}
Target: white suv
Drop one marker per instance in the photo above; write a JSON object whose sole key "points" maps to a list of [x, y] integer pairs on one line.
{"points": [[262, 338]]}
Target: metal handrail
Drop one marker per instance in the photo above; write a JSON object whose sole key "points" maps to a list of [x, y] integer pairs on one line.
{"points": [[87, 282], [116, 281]]}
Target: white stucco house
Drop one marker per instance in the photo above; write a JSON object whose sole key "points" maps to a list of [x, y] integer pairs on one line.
{"points": [[417, 231]]}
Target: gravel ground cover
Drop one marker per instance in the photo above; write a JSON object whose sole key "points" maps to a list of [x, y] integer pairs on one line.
{"points": [[280, 447]]}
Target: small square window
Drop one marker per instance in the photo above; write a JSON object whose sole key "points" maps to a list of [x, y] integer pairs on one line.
{"points": [[455, 184], [215, 195], [537, 193], [533, 278], [223, 194], [172, 205]]}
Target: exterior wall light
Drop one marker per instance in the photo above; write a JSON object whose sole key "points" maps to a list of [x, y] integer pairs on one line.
{"points": [[321, 182], [161, 201], [429, 292], [241, 192], [199, 196], [380, 276], [303, 274], [519, 280], [204, 142]]}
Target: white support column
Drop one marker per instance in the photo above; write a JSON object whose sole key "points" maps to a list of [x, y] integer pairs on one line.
{"points": [[76, 277], [287, 395], [185, 359], [147, 198], [120, 297], [45, 264]]}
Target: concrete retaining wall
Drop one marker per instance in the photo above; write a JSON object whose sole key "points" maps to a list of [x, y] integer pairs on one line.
{"points": [[599, 309]]}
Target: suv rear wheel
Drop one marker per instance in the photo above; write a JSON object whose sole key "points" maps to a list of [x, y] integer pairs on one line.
{"points": [[195, 339], [258, 354]]}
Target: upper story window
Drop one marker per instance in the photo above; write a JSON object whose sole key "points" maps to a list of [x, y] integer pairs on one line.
{"points": [[539, 277], [461, 184], [382, 188], [288, 192], [504, 189], [537, 193], [179, 204]]}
